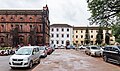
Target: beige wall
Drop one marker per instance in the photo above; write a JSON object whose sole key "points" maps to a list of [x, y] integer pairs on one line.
{"points": [[93, 33]]}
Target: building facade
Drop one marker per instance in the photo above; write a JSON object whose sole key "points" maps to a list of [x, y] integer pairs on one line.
{"points": [[60, 34], [79, 35], [24, 27]]}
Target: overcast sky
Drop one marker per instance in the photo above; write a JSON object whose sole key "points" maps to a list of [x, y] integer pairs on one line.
{"points": [[72, 12]]}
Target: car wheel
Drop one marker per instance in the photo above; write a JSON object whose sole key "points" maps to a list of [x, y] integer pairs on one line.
{"points": [[105, 58], [89, 54], [30, 64]]}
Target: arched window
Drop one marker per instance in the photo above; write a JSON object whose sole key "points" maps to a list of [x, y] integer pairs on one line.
{"points": [[2, 18]]}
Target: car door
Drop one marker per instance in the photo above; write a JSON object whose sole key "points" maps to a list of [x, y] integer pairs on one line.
{"points": [[37, 53], [34, 55], [115, 53], [88, 50], [107, 51]]}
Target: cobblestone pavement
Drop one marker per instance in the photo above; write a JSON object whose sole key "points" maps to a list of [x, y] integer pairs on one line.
{"points": [[72, 60]]}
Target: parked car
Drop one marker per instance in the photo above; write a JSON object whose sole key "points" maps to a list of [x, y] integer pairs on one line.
{"points": [[93, 50], [70, 47], [52, 46], [49, 50], [112, 54], [43, 51], [82, 47], [25, 57], [61, 47]]}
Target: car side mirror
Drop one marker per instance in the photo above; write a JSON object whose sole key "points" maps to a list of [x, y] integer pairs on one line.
{"points": [[33, 53]]}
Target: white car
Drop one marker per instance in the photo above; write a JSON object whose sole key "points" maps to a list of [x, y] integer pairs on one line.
{"points": [[25, 57], [82, 47], [93, 50], [43, 51]]}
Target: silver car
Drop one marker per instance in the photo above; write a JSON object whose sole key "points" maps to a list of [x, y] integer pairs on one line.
{"points": [[93, 50], [25, 57]]}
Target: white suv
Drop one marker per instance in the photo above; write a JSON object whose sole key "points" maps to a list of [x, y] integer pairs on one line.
{"points": [[25, 57]]}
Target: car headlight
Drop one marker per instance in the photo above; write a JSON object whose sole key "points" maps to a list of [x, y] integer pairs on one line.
{"points": [[10, 59], [26, 59]]}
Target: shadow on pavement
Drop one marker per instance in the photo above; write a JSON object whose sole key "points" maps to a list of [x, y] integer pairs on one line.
{"points": [[23, 69]]}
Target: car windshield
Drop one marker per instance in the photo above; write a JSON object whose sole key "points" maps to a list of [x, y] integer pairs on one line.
{"points": [[119, 47], [42, 48], [24, 51], [94, 48]]}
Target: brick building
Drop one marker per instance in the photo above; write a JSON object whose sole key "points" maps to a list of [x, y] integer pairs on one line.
{"points": [[24, 27]]}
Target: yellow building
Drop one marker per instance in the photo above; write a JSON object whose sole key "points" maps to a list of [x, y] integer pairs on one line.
{"points": [[79, 35]]}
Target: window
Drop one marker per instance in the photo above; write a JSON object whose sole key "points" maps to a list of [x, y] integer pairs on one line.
{"points": [[96, 31], [40, 28], [91, 31], [76, 31], [2, 26], [81, 42], [2, 40], [76, 41], [81, 36], [21, 26], [52, 35], [91, 42], [76, 36], [57, 42], [57, 35], [21, 18], [114, 49], [62, 42], [57, 29], [91, 36], [67, 35], [81, 31], [62, 35], [62, 29], [2, 18], [30, 18], [30, 26], [11, 18], [67, 29], [11, 25], [52, 42], [108, 48], [52, 29]]}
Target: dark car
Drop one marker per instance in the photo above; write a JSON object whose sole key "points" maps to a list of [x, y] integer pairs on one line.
{"points": [[112, 54]]}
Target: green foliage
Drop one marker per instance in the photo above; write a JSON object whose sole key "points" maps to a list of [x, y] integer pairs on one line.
{"points": [[4, 48], [106, 12], [116, 32], [87, 36], [99, 36], [107, 38]]}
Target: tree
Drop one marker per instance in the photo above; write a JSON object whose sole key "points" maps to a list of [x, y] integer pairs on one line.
{"points": [[87, 37], [15, 38], [107, 37], [106, 12], [99, 36], [116, 32]]}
